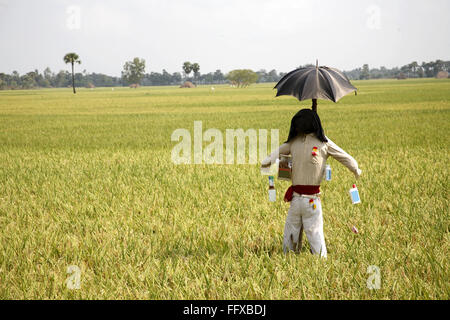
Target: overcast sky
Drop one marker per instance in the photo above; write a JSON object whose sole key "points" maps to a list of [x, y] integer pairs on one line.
{"points": [[221, 34]]}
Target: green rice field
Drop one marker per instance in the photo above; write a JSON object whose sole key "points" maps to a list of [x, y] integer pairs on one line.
{"points": [[87, 180]]}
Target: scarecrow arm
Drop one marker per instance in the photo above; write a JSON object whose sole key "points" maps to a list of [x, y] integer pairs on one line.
{"points": [[343, 157], [285, 148]]}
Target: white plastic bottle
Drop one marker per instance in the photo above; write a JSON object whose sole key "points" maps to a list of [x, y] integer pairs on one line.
{"points": [[328, 172], [272, 191], [354, 195]]}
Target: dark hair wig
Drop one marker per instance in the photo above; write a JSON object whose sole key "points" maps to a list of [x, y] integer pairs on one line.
{"points": [[306, 121]]}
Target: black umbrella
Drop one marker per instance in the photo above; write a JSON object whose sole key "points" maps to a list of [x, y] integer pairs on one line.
{"points": [[315, 83]]}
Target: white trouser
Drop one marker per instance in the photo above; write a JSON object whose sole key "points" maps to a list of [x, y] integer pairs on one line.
{"points": [[302, 216]]}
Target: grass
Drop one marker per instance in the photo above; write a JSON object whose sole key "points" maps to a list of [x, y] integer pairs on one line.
{"points": [[87, 180]]}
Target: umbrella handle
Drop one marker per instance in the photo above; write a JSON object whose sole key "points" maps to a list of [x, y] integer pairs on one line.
{"points": [[314, 105]]}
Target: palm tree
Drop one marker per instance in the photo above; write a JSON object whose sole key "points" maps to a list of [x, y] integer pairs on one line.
{"points": [[72, 58], [196, 68], [187, 68]]}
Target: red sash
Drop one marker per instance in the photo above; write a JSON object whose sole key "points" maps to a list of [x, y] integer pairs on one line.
{"points": [[300, 190]]}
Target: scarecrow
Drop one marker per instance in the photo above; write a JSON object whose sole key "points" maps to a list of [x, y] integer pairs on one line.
{"points": [[309, 148]]}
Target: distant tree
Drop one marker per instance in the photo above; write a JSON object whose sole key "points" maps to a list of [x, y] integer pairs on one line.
{"points": [[242, 77], [72, 58], [176, 77], [218, 76], [405, 70], [62, 79], [447, 66], [273, 76], [262, 75], [195, 68], [207, 78], [365, 72], [3, 81], [133, 71], [48, 75], [420, 72], [187, 68], [166, 77], [428, 68], [306, 65], [414, 65], [353, 74], [439, 65], [15, 76], [28, 81]]}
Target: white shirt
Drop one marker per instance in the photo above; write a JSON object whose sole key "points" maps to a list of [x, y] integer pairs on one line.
{"points": [[309, 156]]}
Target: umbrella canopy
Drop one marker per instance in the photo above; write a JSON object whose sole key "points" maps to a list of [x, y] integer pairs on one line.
{"points": [[315, 83]]}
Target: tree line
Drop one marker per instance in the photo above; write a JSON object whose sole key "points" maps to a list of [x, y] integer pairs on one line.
{"points": [[410, 70], [134, 73]]}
